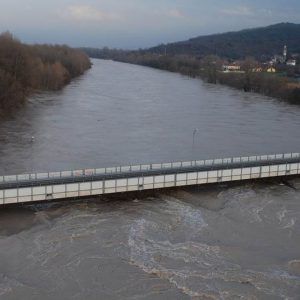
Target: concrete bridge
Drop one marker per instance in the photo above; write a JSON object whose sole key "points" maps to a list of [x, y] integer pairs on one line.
{"points": [[91, 182]]}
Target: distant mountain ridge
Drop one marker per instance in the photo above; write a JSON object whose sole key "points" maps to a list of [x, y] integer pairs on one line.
{"points": [[261, 43]]}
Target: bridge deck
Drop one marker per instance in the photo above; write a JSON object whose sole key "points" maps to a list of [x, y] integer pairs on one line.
{"points": [[91, 182], [141, 173]]}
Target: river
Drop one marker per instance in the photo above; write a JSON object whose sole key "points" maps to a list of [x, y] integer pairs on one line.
{"points": [[221, 242]]}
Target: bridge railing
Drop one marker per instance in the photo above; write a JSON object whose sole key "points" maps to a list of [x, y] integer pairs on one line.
{"points": [[148, 167]]}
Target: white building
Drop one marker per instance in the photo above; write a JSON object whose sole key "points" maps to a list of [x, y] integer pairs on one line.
{"points": [[291, 62], [231, 68], [285, 52]]}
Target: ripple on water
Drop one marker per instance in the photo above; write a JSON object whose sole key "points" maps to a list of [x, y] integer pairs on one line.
{"points": [[294, 267], [223, 253], [196, 268], [8, 284]]}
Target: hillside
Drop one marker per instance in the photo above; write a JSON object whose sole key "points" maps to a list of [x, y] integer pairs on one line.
{"points": [[258, 42]]}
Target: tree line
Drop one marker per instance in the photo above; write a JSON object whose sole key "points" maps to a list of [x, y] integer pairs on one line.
{"points": [[25, 69], [209, 68]]}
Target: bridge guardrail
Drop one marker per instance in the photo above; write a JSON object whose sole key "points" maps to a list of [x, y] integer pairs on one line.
{"points": [[145, 167]]}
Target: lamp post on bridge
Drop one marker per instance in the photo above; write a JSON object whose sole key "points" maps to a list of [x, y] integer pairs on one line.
{"points": [[194, 135]]}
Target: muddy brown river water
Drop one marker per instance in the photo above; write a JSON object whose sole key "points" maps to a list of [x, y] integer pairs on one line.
{"points": [[219, 242]]}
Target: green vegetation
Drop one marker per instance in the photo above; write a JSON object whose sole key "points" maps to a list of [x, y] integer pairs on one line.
{"points": [[25, 69]]}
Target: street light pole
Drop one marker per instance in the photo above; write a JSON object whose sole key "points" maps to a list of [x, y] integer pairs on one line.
{"points": [[193, 147], [194, 134]]}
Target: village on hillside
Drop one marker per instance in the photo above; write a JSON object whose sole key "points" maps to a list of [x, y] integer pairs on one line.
{"points": [[285, 63]]}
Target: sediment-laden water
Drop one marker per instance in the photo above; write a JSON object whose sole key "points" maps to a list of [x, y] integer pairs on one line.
{"points": [[221, 242]]}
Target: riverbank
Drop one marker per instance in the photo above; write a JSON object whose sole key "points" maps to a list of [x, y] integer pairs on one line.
{"points": [[209, 69], [26, 69]]}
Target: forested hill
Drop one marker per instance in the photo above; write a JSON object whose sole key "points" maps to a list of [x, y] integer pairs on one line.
{"points": [[258, 42]]}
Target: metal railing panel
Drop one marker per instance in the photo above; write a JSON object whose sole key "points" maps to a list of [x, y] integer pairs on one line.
{"points": [[24, 177], [176, 165], [89, 172], [218, 161], [253, 158], [145, 167], [66, 173], [167, 165], [110, 170], [186, 163], [226, 160], [136, 168], [125, 169], [42, 175], [10, 178], [100, 171], [156, 166], [245, 159], [54, 174]]}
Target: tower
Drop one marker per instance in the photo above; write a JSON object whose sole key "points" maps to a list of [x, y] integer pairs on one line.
{"points": [[285, 52]]}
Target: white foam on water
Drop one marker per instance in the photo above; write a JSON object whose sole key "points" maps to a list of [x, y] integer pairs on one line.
{"points": [[281, 214], [290, 224], [8, 284], [156, 256], [200, 261], [287, 219], [244, 201], [202, 253], [49, 244], [263, 206], [198, 269], [185, 214], [148, 258]]}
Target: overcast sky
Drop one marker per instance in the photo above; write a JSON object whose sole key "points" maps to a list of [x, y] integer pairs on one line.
{"points": [[136, 23]]}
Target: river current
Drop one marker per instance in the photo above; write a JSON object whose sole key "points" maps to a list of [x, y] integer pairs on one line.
{"points": [[220, 242]]}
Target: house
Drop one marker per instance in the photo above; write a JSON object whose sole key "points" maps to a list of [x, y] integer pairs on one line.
{"points": [[257, 70], [271, 70], [291, 62], [278, 59], [231, 68]]}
